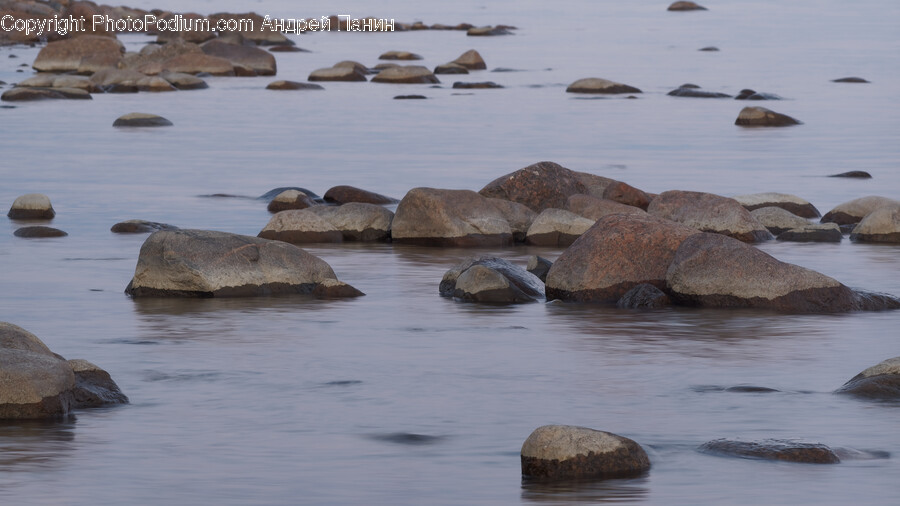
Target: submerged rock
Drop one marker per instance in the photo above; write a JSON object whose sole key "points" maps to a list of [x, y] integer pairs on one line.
{"points": [[773, 449], [344, 194], [644, 296], [139, 119], [849, 80], [855, 174], [565, 452], [748, 94], [139, 227], [485, 85], [292, 85], [39, 232], [31, 206], [258, 61], [488, 31], [450, 68], [881, 225], [598, 85], [93, 386], [792, 203], [762, 117], [710, 213], [826, 232], [686, 6], [490, 279], [691, 92], [881, 381]]}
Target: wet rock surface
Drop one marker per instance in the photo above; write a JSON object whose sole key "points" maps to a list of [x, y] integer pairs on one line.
{"points": [[299, 226], [140, 227], [139, 119], [773, 449], [39, 231], [565, 452], [491, 279], [881, 381]]}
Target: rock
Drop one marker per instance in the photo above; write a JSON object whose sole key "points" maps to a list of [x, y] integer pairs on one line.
{"points": [[773, 449], [48, 80], [410, 74], [300, 226], [29, 94], [539, 266], [334, 289], [113, 80], [399, 55], [84, 54], [710, 213], [565, 452], [857, 174], [597, 85], [624, 193], [358, 221], [490, 279], [644, 296], [747, 94], [139, 227], [337, 74], [695, 93], [292, 85], [410, 97], [31, 206], [778, 220], [139, 119], [556, 227], [711, 270], [486, 85], [881, 381], [487, 31], [519, 216], [618, 253], [855, 210], [450, 68], [93, 386], [849, 80], [201, 263], [881, 225], [686, 6], [13, 337], [344, 194], [539, 186], [362, 69], [288, 49], [470, 60], [827, 232], [271, 194], [154, 84], [792, 203], [39, 232], [711, 49], [760, 116], [261, 62], [595, 208], [196, 63], [290, 199], [184, 81], [450, 218]]}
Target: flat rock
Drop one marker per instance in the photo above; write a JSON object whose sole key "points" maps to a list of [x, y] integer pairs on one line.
{"points": [[491, 279], [696, 93], [792, 203], [31, 206], [139, 119], [881, 226], [349, 74], [410, 97], [343, 194], [139, 227], [854, 174], [539, 186], [710, 213], [618, 253], [644, 296], [762, 117], [595, 208], [201, 263], [261, 62], [298, 226], [565, 452], [409, 74], [773, 449], [488, 31], [557, 228], [748, 94], [824, 232], [358, 221], [39, 231], [196, 63], [484, 85], [470, 60], [685, 6], [849, 80], [855, 210], [30, 94], [83, 54], [881, 381], [598, 85], [290, 199], [778, 220], [292, 85], [450, 218]]}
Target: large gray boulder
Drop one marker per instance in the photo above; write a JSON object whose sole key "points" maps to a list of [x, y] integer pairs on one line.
{"points": [[881, 225], [565, 452], [201, 263], [855, 210], [881, 381], [435, 217], [31, 206], [539, 186], [358, 221], [489, 279], [796, 205], [710, 213]]}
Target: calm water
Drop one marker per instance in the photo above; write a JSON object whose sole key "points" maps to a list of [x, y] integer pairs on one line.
{"points": [[402, 397]]}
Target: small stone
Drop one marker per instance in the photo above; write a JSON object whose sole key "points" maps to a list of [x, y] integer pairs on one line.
{"points": [[565, 452], [93, 386], [292, 85], [791, 203], [32, 206], [778, 220], [857, 174], [849, 80], [597, 85], [773, 449], [184, 81], [334, 289], [557, 228], [39, 231], [487, 31], [762, 117], [696, 93], [399, 55], [288, 49], [686, 6], [491, 279], [476, 86]]}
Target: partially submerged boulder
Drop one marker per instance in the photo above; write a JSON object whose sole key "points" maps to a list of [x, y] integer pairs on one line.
{"points": [[409, 74], [84, 54], [290, 199], [350, 74], [778, 220], [344, 194], [773, 449], [644, 296], [140, 227], [470, 60], [685, 6], [813, 232], [855, 210], [490, 279], [565, 452], [39, 231], [792, 203], [261, 62], [881, 381], [601, 86], [762, 117], [140, 119], [710, 213], [298, 226], [358, 221], [595, 208], [881, 225], [435, 217], [31, 206]]}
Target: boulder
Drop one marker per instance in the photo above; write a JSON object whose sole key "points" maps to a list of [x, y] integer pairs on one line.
{"points": [[489, 279], [855, 210], [597, 85], [539, 186], [778, 220], [773, 449], [334, 289], [29, 94], [854, 174], [710, 213], [290, 199], [624, 193], [487, 31], [556, 227], [337, 74], [139, 227], [359, 67], [154, 84], [711, 270], [435, 217], [881, 381], [450, 68], [358, 221], [881, 225], [596, 185], [644, 296], [113, 80], [344, 194], [184, 81], [519, 216], [140, 119], [748, 94], [691, 92], [618, 253], [792, 203], [49, 80], [85, 54], [762, 117], [485, 85], [299, 226], [195, 63], [539, 266], [470, 60], [292, 85], [565, 452], [31, 206], [825, 232], [201, 263], [686, 6], [271, 194], [410, 74], [36, 232], [595, 208], [93, 386], [399, 55], [261, 62]]}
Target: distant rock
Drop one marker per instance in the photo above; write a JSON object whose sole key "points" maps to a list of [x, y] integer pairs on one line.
{"points": [[849, 80], [30, 94], [685, 6], [711, 49], [825, 232], [410, 74], [290, 199], [489, 279], [359, 67], [488, 31], [773, 449], [880, 226], [288, 49], [539, 266], [450, 68], [565, 452], [399, 55], [39, 231], [792, 203], [139, 119], [292, 85], [139, 227], [410, 97], [450, 218], [881, 381], [253, 61], [557, 228], [762, 117], [597, 85], [644, 296], [476, 86], [748, 94], [595, 208], [84, 54], [344, 194], [196, 63], [539, 186], [470, 60], [184, 81], [710, 213], [856, 174], [778, 220], [855, 210], [31, 206], [696, 93]]}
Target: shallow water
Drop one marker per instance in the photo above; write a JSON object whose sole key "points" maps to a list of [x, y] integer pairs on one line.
{"points": [[403, 397]]}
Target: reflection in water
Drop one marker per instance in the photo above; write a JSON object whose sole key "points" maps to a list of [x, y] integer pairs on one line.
{"points": [[593, 492], [34, 445]]}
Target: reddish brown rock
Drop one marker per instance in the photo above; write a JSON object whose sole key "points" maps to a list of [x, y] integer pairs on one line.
{"points": [[595, 208], [624, 193], [343, 194], [710, 213], [539, 186], [85, 55], [195, 63]]}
